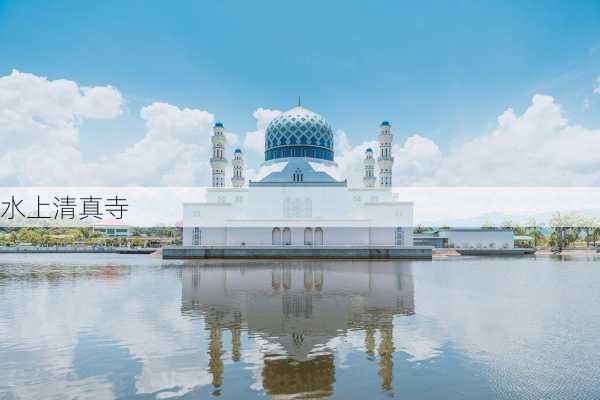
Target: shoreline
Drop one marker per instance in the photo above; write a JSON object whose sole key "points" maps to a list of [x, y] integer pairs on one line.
{"points": [[82, 250]]}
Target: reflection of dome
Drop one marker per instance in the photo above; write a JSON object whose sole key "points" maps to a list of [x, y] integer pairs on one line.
{"points": [[313, 378], [299, 133]]}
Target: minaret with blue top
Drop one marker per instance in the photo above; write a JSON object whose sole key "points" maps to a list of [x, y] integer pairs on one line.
{"points": [[369, 162], [238, 180], [218, 162], [385, 159]]}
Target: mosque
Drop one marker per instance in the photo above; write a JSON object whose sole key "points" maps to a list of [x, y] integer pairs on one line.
{"points": [[296, 200]]}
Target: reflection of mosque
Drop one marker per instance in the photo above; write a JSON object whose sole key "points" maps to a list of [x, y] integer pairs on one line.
{"points": [[298, 307]]}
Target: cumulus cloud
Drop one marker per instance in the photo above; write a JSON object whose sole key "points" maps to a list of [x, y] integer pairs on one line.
{"points": [[40, 122], [39, 126], [174, 151], [538, 147], [255, 140], [34, 109]]}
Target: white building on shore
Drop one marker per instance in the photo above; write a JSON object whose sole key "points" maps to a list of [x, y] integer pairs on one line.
{"points": [[297, 201]]}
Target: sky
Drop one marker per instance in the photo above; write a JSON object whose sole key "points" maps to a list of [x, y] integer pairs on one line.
{"points": [[125, 93]]}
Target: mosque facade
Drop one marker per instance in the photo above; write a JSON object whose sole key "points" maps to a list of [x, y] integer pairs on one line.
{"points": [[297, 199]]}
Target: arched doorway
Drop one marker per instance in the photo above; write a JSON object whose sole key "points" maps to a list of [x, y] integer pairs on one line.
{"points": [[276, 237], [318, 240], [308, 237], [196, 236], [287, 236]]}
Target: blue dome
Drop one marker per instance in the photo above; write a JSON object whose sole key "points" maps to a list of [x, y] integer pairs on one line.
{"points": [[219, 124], [385, 123], [299, 133], [369, 150], [238, 151]]}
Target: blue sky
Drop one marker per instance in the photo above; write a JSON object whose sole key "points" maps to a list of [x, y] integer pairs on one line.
{"points": [[442, 73], [443, 69]]}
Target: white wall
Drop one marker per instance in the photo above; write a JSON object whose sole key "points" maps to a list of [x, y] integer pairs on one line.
{"points": [[249, 236], [344, 218], [262, 236]]}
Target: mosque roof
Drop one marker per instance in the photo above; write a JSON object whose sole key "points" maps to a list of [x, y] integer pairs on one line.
{"points": [[299, 127], [298, 171]]}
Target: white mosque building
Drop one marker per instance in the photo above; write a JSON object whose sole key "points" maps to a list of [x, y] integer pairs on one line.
{"points": [[297, 201]]}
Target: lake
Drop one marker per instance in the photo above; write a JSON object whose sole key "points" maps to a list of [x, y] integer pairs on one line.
{"points": [[134, 326]]}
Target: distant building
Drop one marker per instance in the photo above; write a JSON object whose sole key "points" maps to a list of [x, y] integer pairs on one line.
{"points": [[472, 238], [479, 238], [112, 229], [430, 238]]}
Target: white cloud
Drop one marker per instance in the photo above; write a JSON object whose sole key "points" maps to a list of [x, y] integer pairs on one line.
{"points": [[34, 109], [39, 131], [255, 140], [539, 147], [39, 126], [174, 151], [40, 121], [597, 88]]}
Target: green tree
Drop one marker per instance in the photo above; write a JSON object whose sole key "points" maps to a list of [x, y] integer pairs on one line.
{"points": [[566, 226]]}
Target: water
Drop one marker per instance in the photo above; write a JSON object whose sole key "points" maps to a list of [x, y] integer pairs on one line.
{"points": [[116, 326]]}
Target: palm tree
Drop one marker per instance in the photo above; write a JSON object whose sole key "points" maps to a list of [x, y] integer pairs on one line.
{"points": [[589, 224], [534, 228]]}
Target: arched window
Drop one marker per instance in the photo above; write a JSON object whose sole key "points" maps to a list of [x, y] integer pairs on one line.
{"points": [[307, 208], [399, 237], [287, 236], [276, 237], [318, 238], [298, 176], [308, 237], [297, 213]]}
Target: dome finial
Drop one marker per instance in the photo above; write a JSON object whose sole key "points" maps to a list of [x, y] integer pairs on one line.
{"points": [[299, 102]]}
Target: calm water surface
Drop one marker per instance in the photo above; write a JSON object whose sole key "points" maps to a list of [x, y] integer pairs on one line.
{"points": [[115, 326]]}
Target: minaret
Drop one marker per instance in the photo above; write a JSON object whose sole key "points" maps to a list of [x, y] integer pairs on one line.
{"points": [[385, 160], [386, 354], [237, 180], [369, 178], [215, 354], [218, 161]]}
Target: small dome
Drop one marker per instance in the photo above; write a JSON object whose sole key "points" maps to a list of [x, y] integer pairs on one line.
{"points": [[369, 150], [299, 133], [219, 124], [385, 123], [238, 151]]}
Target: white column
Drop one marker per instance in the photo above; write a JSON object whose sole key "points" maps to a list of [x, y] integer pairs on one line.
{"points": [[218, 162], [238, 180], [369, 163], [385, 159]]}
